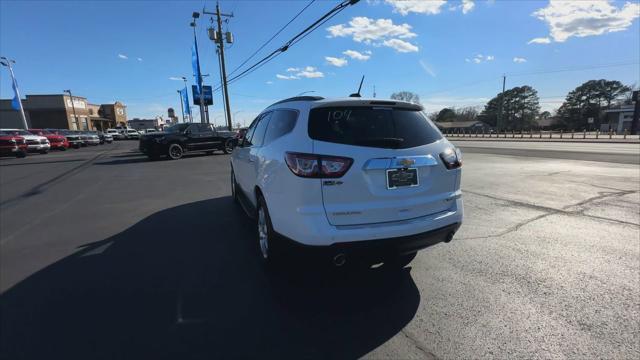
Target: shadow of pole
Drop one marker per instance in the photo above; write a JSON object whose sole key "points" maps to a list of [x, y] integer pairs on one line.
{"points": [[186, 282]]}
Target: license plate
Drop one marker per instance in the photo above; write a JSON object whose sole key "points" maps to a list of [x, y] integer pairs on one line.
{"points": [[397, 178]]}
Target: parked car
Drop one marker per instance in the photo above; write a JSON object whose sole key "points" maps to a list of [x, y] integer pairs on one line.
{"points": [[91, 138], [55, 140], [179, 139], [11, 145], [351, 179], [117, 135], [132, 134], [106, 138], [35, 143], [74, 138]]}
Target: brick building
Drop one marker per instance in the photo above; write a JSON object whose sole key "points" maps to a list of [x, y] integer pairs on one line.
{"points": [[57, 111]]}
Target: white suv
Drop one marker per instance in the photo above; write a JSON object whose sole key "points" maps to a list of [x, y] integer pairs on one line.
{"points": [[352, 179]]}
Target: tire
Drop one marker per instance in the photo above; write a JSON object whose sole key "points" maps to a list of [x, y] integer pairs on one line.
{"points": [[76, 146], [175, 151], [21, 154], [62, 148], [234, 188], [267, 245], [228, 146], [400, 261], [209, 152]]}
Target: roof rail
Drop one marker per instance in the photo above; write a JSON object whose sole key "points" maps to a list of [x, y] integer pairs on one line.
{"points": [[298, 98]]}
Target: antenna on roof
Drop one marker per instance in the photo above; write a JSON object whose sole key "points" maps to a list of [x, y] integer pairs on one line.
{"points": [[359, 88]]}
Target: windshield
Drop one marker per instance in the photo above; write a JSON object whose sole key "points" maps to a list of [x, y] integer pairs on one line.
{"points": [[372, 126], [18, 132]]}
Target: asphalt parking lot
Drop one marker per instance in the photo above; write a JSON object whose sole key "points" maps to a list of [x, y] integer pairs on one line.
{"points": [[104, 254]]}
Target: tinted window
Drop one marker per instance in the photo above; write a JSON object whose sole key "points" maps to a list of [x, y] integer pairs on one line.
{"points": [[258, 135], [374, 127], [249, 134], [281, 123], [202, 128]]}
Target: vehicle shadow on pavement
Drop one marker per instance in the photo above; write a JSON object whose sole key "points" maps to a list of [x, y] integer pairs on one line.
{"points": [[186, 282]]}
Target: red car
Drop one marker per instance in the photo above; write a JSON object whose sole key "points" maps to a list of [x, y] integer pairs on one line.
{"points": [[11, 145], [57, 141]]}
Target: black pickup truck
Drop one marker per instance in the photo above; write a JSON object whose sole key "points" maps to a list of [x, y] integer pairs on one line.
{"points": [[180, 139]]}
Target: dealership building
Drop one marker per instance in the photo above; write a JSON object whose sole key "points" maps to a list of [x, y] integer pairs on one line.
{"points": [[57, 111]]}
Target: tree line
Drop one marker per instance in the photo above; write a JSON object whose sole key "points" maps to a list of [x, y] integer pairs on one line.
{"points": [[518, 108]]}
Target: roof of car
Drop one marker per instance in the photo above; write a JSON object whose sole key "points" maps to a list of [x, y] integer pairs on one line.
{"points": [[318, 101]]}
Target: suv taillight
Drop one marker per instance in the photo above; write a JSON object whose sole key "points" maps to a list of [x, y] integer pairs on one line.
{"points": [[317, 166], [451, 158]]}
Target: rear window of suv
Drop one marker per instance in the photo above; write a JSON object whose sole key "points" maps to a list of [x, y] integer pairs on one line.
{"points": [[381, 127]]}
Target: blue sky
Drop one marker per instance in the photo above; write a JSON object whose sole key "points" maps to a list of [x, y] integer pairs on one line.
{"points": [[450, 53]]}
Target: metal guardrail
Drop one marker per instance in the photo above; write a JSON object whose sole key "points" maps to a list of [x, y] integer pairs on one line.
{"points": [[540, 134]]}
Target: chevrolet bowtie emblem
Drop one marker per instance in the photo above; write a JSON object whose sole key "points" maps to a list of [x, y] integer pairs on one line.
{"points": [[406, 162]]}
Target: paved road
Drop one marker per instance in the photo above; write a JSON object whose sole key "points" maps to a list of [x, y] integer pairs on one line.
{"points": [[107, 255], [606, 152]]}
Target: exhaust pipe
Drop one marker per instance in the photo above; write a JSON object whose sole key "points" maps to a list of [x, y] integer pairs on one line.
{"points": [[339, 259], [449, 237]]}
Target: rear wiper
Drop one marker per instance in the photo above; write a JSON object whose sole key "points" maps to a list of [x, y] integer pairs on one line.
{"points": [[385, 141]]}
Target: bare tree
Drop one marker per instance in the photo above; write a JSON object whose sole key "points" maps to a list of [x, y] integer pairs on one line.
{"points": [[407, 96]]}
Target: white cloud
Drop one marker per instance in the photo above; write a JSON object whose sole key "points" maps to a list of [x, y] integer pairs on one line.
{"points": [[540, 40], [269, 82], [376, 32], [175, 78], [428, 7], [467, 5], [337, 62], [123, 56], [519, 60], [308, 72], [363, 29], [400, 45], [357, 55], [427, 68], [585, 18], [139, 59], [480, 58]]}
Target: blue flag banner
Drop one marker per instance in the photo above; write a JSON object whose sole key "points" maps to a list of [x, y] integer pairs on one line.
{"points": [[194, 64], [185, 101], [15, 103]]}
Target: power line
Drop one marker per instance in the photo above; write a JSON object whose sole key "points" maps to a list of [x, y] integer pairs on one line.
{"points": [[272, 37], [293, 40]]}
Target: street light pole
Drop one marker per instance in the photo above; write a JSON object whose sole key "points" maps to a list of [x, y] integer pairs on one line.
{"points": [[181, 105], [73, 106], [199, 79], [186, 91], [7, 62]]}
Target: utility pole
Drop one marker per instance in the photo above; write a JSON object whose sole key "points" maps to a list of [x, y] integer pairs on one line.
{"points": [[499, 124], [73, 106], [7, 62], [219, 38], [374, 91], [199, 75]]}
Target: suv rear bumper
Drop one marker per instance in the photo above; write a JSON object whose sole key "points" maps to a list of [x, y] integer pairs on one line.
{"points": [[309, 227], [374, 250]]}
